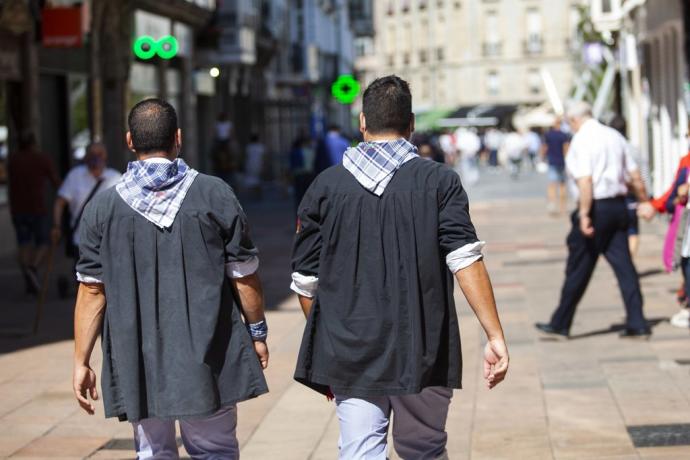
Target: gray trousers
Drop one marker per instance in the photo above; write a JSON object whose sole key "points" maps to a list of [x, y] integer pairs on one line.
{"points": [[419, 425], [207, 438]]}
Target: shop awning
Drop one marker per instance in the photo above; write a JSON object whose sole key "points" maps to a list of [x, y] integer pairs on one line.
{"points": [[429, 120], [478, 115]]}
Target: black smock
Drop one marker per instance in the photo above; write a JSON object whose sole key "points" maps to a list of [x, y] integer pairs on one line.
{"points": [[174, 343], [383, 320]]}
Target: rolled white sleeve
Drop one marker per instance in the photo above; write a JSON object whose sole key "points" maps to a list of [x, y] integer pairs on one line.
{"points": [[88, 279], [241, 269], [304, 285], [465, 256]]}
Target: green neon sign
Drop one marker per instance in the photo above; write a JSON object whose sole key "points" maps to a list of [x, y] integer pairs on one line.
{"points": [[146, 47], [345, 89]]}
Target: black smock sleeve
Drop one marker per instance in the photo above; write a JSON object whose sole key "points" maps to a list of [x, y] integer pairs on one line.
{"points": [[455, 225], [89, 267], [306, 251], [241, 255]]}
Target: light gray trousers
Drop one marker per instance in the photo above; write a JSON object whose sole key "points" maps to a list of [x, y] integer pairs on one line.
{"points": [[419, 425], [205, 438]]}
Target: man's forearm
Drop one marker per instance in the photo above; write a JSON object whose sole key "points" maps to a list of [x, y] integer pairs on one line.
{"points": [[305, 303], [476, 285], [88, 319], [585, 200], [639, 187], [251, 298]]}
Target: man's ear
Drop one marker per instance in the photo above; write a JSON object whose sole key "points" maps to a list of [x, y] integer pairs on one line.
{"points": [[178, 139], [130, 145], [362, 122], [412, 124]]}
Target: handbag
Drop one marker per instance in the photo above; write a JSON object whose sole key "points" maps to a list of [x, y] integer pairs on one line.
{"points": [[675, 235]]}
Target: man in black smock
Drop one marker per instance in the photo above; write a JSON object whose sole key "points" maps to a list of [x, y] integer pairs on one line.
{"points": [[379, 238], [167, 271]]}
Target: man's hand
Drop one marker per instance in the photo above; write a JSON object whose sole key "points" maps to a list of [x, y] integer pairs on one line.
{"points": [[646, 210], [84, 385], [261, 350], [495, 362], [586, 226]]}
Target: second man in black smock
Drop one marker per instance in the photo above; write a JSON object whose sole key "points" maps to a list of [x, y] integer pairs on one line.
{"points": [[379, 238]]}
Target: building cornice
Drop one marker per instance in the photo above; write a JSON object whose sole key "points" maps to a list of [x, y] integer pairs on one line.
{"points": [[177, 10]]}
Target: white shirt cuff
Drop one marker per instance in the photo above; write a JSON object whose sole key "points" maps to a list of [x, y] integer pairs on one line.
{"points": [[241, 269], [304, 285], [88, 279], [465, 256]]}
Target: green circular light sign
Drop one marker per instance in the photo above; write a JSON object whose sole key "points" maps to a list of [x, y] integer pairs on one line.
{"points": [[146, 47], [345, 89]]}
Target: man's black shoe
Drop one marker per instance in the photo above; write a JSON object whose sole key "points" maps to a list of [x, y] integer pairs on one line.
{"points": [[642, 334], [551, 332]]}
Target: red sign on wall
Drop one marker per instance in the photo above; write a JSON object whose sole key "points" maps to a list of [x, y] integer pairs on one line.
{"points": [[62, 27]]}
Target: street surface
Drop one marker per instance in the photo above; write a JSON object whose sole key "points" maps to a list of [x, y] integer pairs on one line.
{"points": [[579, 399]]}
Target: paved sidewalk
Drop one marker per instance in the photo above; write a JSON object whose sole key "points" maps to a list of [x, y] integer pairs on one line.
{"points": [[562, 400]]}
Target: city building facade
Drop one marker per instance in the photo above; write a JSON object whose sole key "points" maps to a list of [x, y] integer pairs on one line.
{"points": [[462, 53]]}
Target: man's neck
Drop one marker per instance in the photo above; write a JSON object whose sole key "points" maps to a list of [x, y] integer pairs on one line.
{"points": [[383, 137], [148, 156]]}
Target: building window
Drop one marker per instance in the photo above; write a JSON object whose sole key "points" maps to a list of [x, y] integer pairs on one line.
{"points": [[405, 6], [493, 83], [492, 36], [534, 43], [534, 81], [363, 46], [457, 5], [423, 56], [439, 54], [425, 88], [391, 60], [422, 4], [406, 58]]}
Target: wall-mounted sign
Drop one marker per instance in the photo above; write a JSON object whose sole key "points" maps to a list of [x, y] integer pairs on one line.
{"points": [[62, 27], [146, 47], [345, 89]]}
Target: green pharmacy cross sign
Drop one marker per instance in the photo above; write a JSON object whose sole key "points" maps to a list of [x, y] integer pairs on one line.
{"points": [[345, 89], [146, 47]]}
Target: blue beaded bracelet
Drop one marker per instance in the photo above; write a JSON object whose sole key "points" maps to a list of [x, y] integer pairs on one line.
{"points": [[258, 331]]}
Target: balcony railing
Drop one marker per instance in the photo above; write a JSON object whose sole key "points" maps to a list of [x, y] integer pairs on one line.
{"points": [[490, 49], [533, 45]]}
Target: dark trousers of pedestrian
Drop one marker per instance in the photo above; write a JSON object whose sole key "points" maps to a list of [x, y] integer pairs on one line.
{"points": [[610, 220], [493, 158], [685, 271]]}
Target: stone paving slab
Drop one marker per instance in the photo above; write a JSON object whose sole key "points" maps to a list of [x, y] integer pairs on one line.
{"points": [[562, 400]]}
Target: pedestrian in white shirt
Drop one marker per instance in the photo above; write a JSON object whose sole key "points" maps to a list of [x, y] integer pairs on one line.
{"points": [[533, 142], [82, 183], [514, 147], [254, 165], [601, 164], [469, 145], [493, 138]]}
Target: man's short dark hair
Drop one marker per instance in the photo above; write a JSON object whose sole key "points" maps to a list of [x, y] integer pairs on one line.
{"points": [[387, 105], [153, 124]]}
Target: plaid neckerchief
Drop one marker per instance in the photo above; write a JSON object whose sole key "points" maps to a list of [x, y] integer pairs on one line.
{"points": [[156, 190], [375, 163]]}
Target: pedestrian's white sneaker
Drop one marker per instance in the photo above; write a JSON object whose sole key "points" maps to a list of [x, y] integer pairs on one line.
{"points": [[681, 319]]}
